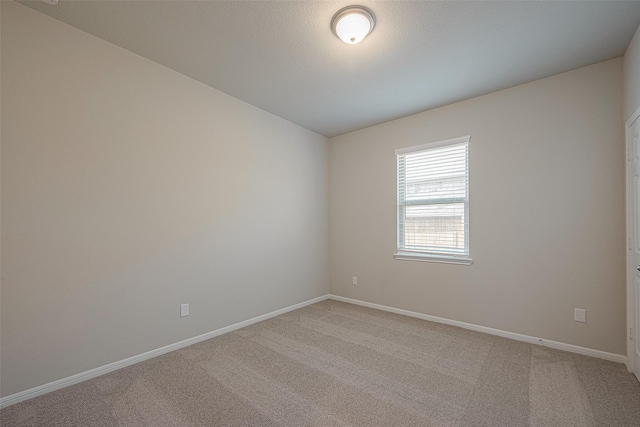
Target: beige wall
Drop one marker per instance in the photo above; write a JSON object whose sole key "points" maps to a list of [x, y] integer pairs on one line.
{"points": [[547, 211], [632, 76], [128, 189]]}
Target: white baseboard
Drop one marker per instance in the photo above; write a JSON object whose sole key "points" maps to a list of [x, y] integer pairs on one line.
{"points": [[83, 376], [519, 337]]}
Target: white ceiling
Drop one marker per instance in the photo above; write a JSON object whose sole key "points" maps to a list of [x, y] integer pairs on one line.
{"points": [[281, 56]]}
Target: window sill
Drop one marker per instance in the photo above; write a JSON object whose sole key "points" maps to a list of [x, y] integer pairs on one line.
{"points": [[434, 258]]}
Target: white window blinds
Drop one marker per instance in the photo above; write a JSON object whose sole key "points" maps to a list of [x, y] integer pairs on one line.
{"points": [[433, 198]]}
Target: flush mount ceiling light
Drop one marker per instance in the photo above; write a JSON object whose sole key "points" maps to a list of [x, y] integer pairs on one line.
{"points": [[353, 23]]}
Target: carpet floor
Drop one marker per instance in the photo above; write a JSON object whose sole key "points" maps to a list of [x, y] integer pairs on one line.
{"points": [[338, 364]]}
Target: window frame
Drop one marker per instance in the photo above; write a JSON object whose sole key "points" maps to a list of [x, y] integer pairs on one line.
{"points": [[462, 258]]}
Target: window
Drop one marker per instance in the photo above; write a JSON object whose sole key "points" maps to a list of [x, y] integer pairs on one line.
{"points": [[433, 202]]}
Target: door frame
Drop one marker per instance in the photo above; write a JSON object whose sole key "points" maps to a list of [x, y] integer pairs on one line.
{"points": [[629, 333]]}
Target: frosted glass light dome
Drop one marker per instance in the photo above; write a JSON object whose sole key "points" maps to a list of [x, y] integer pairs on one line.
{"points": [[353, 23]]}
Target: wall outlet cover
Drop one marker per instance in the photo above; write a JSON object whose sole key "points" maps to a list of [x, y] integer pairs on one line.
{"points": [[579, 315], [184, 310]]}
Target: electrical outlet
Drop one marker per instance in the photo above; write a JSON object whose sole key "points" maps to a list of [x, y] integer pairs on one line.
{"points": [[354, 281], [580, 315], [184, 310]]}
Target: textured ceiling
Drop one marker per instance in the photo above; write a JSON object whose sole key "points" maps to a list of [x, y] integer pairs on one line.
{"points": [[281, 56]]}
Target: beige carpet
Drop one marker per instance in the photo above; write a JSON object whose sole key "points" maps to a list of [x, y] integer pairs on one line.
{"points": [[337, 364]]}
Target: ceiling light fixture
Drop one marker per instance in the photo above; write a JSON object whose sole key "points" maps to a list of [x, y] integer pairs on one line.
{"points": [[353, 23]]}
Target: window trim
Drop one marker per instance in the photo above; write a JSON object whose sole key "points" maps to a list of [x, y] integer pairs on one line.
{"points": [[443, 259], [446, 258]]}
